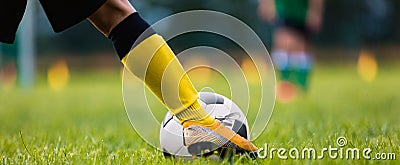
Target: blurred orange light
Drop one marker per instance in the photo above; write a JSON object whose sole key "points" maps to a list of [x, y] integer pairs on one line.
{"points": [[250, 71], [367, 66], [58, 75], [200, 71], [8, 76]]}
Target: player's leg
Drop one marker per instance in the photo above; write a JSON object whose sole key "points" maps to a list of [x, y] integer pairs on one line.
{"points": [[290, 55], [110, 14], [300, 59], [282, 43], [149, 58], [283, 46]]}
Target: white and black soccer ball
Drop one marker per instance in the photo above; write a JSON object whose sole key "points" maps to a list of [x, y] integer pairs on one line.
{"points": [[219, 107]]}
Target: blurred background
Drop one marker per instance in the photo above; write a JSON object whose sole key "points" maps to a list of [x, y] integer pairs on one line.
{"points": [[348, 27], [62, 92]]}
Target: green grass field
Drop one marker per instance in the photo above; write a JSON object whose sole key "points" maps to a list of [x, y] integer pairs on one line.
{"points": [[86, 123]]}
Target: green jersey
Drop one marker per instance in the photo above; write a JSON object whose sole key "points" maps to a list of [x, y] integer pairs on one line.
{"points": [[293, 10]]}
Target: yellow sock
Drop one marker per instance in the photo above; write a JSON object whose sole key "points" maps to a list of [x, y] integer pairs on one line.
{"points": [[154, 62]]}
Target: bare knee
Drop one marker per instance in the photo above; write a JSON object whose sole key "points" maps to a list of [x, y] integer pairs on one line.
{"points": [[110, 14], [289, 40], [282, 39]]}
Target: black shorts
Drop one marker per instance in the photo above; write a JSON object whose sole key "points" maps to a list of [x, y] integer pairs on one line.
{"points": [[296, 26], [62, 14]]}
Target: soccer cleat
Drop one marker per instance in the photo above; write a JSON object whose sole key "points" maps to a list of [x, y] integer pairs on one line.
{"points": [[203, 139]]}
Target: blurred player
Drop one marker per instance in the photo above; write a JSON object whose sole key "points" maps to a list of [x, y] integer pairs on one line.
{"points": [[119, 21], [294, 22]]}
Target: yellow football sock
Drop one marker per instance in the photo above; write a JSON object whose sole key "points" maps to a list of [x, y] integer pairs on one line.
{"points": [[153, 61]]}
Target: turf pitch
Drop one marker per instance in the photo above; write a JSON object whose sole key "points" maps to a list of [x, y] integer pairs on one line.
{"points": [[86, 123]]}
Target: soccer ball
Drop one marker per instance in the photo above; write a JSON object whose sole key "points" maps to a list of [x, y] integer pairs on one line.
{"points": [[219, 107]]}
